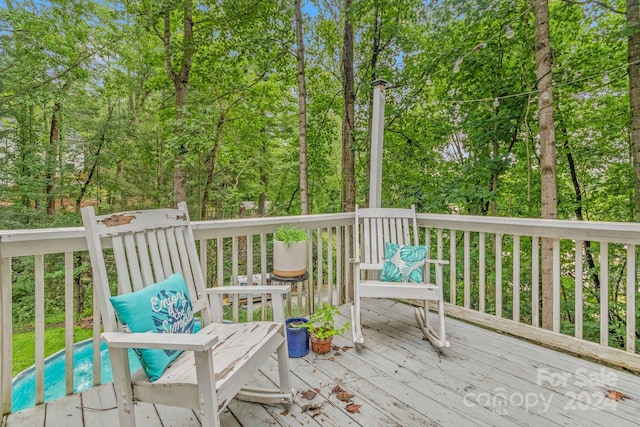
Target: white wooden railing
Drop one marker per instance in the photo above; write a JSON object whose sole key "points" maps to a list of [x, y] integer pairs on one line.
{"points": [[469, 242], [494, 273]]}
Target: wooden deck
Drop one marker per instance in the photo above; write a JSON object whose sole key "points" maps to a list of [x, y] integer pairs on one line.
{"points": [[485, 378]]}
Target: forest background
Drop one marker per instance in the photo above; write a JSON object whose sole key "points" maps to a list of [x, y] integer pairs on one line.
{"points": [[137, 104], [88, 106]]}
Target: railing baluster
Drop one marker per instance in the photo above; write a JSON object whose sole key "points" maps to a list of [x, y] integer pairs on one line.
{"points": [[6, 333], [350, 252], [310, 285], [631, 299], [320, 258], [535, 281], [427, 242], [467, 269], [39, 327], [249, 252], [204, 259], [68, 321], [556, 285], [96, 343], [604, 293], [516, 278], [263, 273], [220, 262], [482, 274], [578, 290], [339, 282], [498, 238], [330, 264], [452, 266], [234, 277]]}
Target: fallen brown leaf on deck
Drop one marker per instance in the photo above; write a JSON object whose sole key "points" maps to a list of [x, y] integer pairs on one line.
{"points": [[314, 409], [335, 347], [337, 389], [309, 394], [316, 389], [337, 353], [616, 395], [346, 347], [353, 408], [285, 412], [333, 359], [345, 396]]}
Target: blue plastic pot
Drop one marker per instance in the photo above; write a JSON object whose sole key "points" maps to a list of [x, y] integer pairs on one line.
{"points": [[297, 338]]}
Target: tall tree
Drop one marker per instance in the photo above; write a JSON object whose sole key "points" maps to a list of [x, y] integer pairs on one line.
{"points": [[178, 71], [302, 110], [348, 117], [633, 56], [549, 196]]}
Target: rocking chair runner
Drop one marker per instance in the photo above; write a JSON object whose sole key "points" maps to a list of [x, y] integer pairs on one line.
{"points": [[374, 227], [216, 362]]}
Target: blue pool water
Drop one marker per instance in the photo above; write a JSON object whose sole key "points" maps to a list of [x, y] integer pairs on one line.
{"points": [[23, 385]]}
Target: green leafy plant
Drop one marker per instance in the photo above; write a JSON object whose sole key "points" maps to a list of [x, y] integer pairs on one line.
{"points": [[322, 324], [289, 234]]}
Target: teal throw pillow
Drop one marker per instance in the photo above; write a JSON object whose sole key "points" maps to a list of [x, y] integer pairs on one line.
{"points": [[403, 263], [162, 308]]}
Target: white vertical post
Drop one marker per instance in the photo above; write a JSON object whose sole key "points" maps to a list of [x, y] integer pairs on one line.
{"points": [[377, 133]]}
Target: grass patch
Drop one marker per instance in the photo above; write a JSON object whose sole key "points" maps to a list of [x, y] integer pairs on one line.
{"points": [[24, 345]]}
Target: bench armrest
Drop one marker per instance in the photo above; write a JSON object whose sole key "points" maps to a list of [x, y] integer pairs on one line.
{"points": [[188, 342]]}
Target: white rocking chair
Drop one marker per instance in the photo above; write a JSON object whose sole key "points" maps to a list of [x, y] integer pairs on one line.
{"points": [[216, 362], [374, 227]]}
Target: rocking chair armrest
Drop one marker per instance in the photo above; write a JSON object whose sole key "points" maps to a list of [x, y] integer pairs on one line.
{"points": [[276, 289], [187, 342]]}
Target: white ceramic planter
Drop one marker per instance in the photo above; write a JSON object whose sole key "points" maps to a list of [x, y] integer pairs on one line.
{"points": [[291, 260]]}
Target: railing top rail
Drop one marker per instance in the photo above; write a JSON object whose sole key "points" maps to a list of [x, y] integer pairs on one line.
{"points": [[58, 240], [618, 232]]}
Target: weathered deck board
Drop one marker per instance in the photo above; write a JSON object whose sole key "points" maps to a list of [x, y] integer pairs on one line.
{"points": [[465, 367], [399, 379]]}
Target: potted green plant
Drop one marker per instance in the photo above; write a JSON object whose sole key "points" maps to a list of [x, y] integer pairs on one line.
{"points": [[322, 328], [290, 251]]}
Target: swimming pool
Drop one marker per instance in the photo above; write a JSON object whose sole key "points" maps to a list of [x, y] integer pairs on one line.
{"points": [[23, 385]]}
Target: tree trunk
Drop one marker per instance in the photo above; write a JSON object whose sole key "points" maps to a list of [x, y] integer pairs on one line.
{"points": [[51, 158], [180, 81], [96, 158], [348, 118], [633, 56], [302, 111], [549, 197], [210, 162], [262, 198]]}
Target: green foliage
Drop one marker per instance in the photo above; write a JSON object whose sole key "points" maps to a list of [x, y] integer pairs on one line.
{"points": [[322, 324], [289, 234]]}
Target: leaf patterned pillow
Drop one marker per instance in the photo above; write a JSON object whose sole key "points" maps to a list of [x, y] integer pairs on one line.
{"points": [[403, 263], [163, 308]]}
